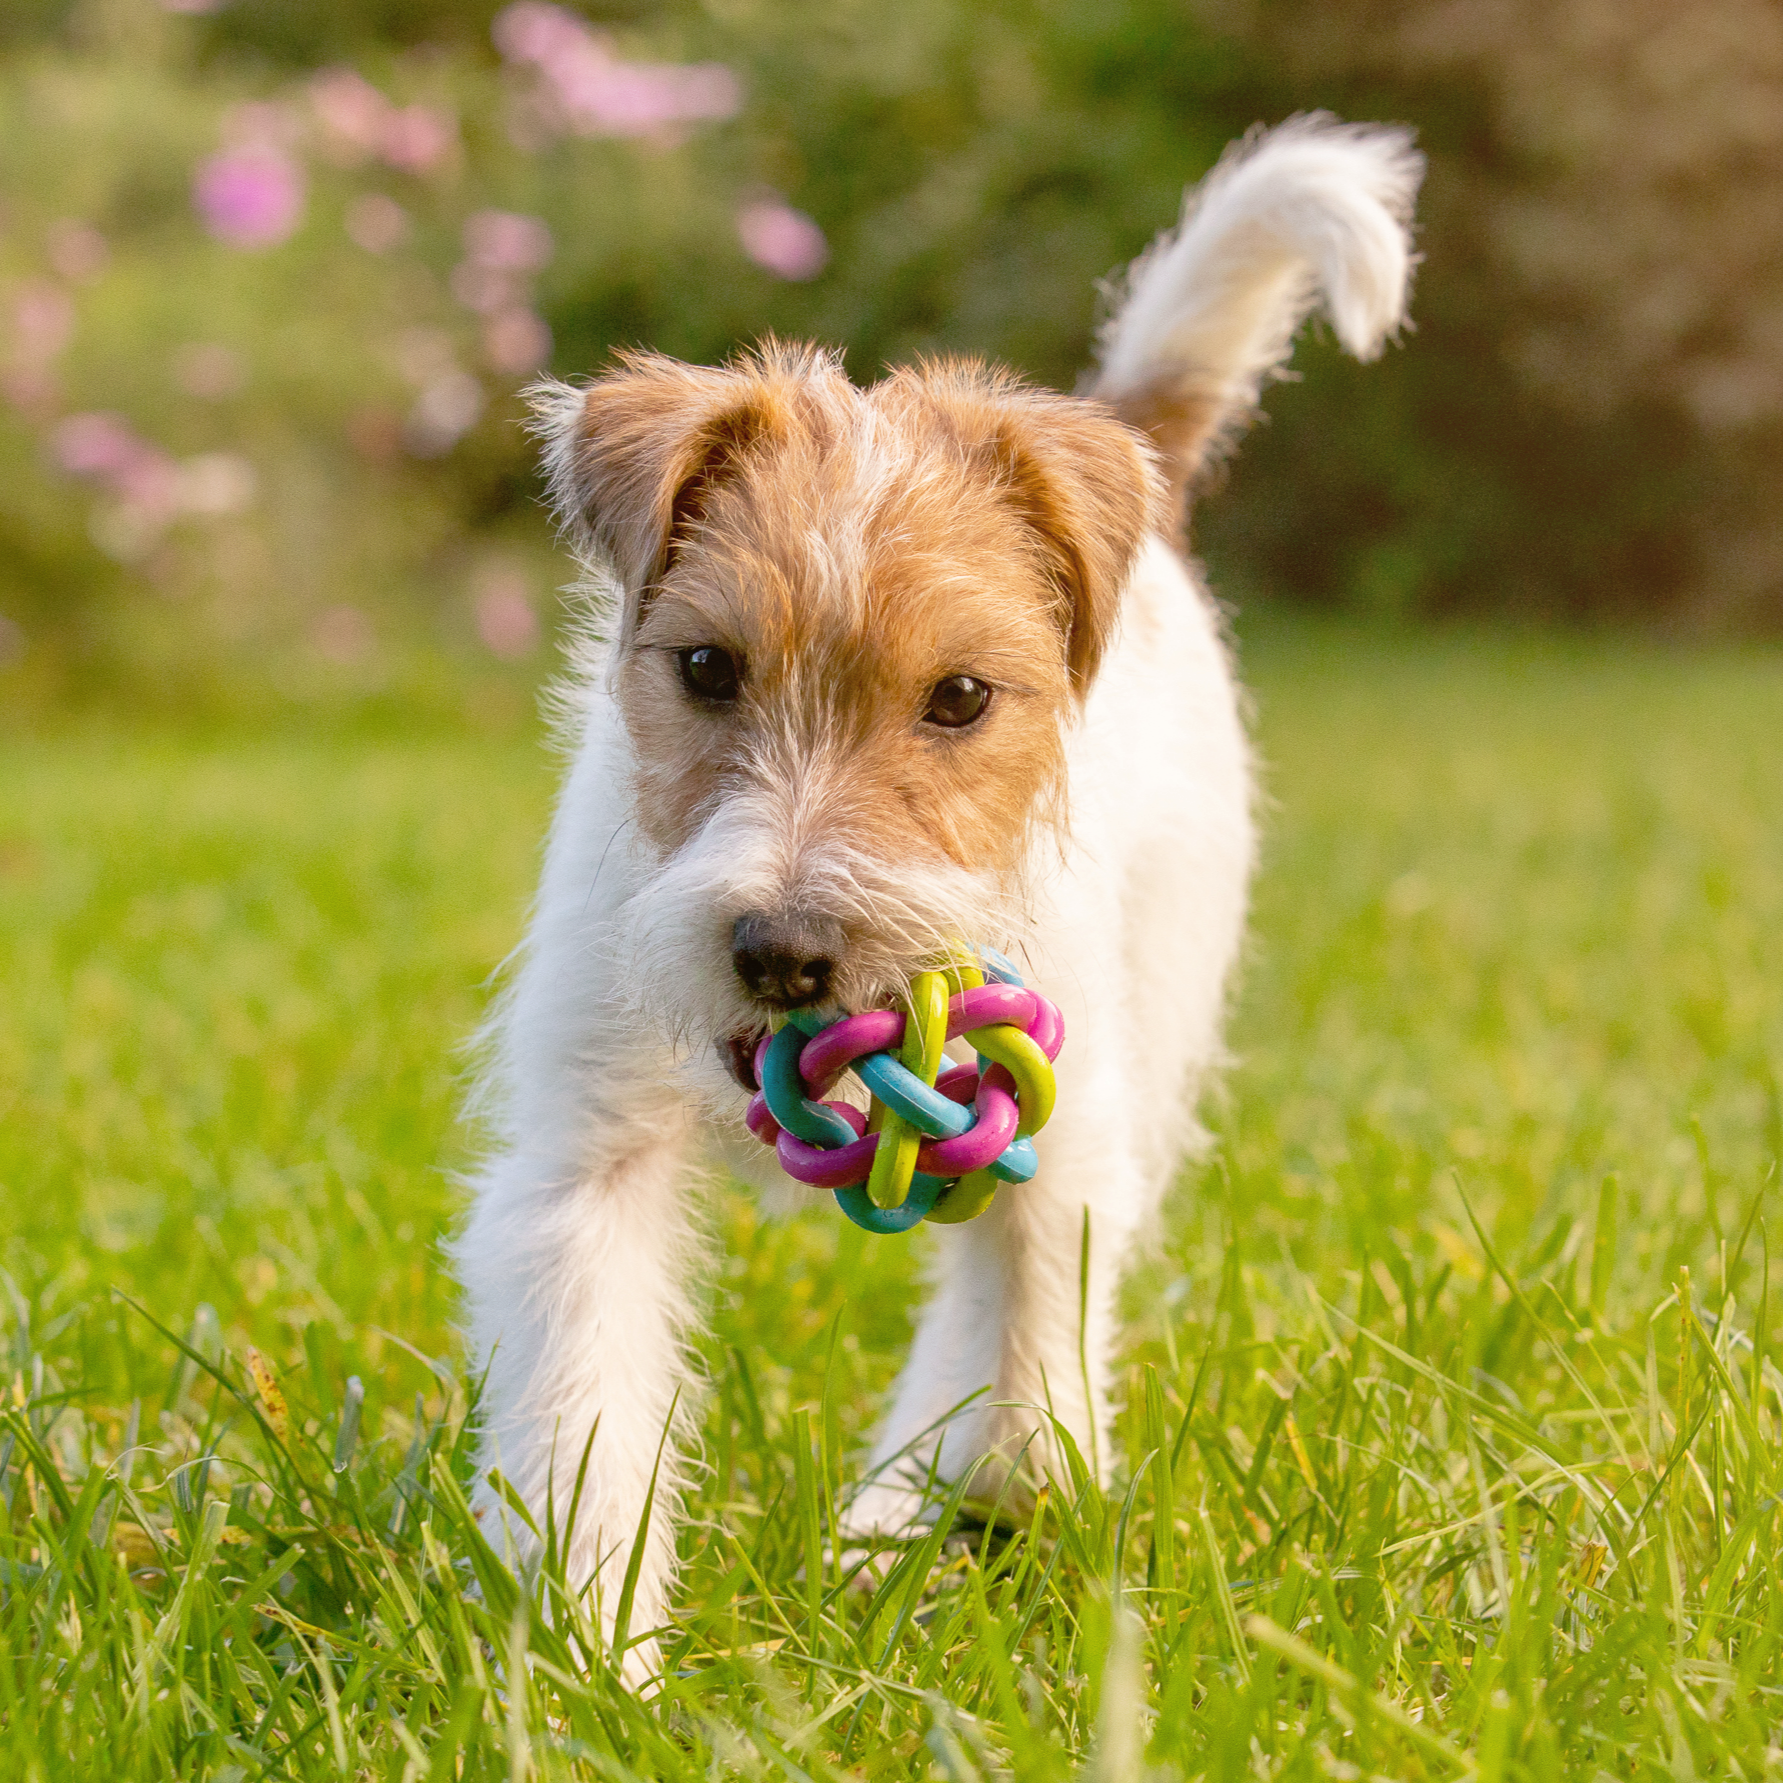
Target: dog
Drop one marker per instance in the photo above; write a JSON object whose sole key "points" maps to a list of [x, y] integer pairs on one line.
{"points": [[875, 671]]}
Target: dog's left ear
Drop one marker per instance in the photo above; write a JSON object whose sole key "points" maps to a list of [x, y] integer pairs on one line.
{"points": [[633, 456], [1087, 485], [1091, 491]]}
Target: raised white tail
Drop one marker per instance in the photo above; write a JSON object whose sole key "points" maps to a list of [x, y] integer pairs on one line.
{"points": [[1314, 208]]}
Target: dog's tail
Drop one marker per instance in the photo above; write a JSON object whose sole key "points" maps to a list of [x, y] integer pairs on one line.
{"points": [[1313, 208]]}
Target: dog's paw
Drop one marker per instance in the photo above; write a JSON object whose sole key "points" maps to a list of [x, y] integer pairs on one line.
{"points": [[884, 1511]]}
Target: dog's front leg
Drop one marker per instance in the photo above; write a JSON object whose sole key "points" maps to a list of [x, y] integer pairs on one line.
{"points": [[577, 1271], [1019, 1332]]}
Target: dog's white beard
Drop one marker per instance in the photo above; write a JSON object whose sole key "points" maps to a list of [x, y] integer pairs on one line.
{"points": [[758, 851]]}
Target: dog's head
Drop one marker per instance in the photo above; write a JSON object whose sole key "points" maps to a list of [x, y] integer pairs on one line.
{"points": [[855, 626]]}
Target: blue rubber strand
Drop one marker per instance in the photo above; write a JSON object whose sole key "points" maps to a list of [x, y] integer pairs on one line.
{"points": [[899, 1088], [884, 1221], [997, 967], [783, 1089]]}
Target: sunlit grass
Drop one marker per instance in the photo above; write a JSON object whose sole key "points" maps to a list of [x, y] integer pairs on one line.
{"points": [[1450, 1440]]}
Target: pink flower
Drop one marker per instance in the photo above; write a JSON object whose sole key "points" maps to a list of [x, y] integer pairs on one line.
{"points": [[516, 341], [151, 486], [530, 31], [360, 121], [42, 323], [594, 92], [505, 620], [783, 240], [419, 138], [607, 97], [31, 390], [502, 250], [351, 111], [145, 483], [101, 446], [446, 410], [104, 449], [505, 241], [377, 223], [251, 196], [147, 488]]}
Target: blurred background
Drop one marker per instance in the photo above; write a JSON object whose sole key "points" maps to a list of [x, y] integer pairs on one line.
{"points": [[272, 272]]}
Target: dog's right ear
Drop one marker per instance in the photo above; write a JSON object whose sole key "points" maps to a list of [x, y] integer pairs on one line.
{"points": [[633, 457]]}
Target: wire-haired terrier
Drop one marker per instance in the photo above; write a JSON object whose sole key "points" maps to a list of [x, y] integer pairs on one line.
{"points": [[889, 669]]}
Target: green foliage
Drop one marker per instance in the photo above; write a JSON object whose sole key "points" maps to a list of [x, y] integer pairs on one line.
{"points": [[976, 171], [309, 362], [1450, 1432], [1579, 426]]}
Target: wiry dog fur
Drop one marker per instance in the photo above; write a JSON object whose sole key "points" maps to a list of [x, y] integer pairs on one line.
{"points": [[850, 548]]}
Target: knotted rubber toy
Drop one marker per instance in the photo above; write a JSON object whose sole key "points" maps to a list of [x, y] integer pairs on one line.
{"points": [[933, 1146]]}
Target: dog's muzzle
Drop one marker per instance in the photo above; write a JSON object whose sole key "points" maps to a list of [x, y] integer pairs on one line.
{"points": [[785, 960]]}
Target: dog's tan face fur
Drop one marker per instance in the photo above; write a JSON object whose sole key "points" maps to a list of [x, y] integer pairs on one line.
{"points": [[850, 550]]}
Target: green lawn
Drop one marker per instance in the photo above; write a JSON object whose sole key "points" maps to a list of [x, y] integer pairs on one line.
{"points": [[1402, 1494]]}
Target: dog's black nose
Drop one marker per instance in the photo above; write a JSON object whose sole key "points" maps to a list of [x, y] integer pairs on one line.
{"points": [[786, 961]]}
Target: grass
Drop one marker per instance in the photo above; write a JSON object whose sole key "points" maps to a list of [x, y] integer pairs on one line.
{"points": [[1453, 1396]]}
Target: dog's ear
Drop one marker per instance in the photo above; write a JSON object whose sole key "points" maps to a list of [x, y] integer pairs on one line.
{"points": [[1091, 491], [633, 457], [1086, 484]]}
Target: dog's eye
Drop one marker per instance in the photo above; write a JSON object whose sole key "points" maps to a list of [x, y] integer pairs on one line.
{"points": [[709, 673], [957, 701]]}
